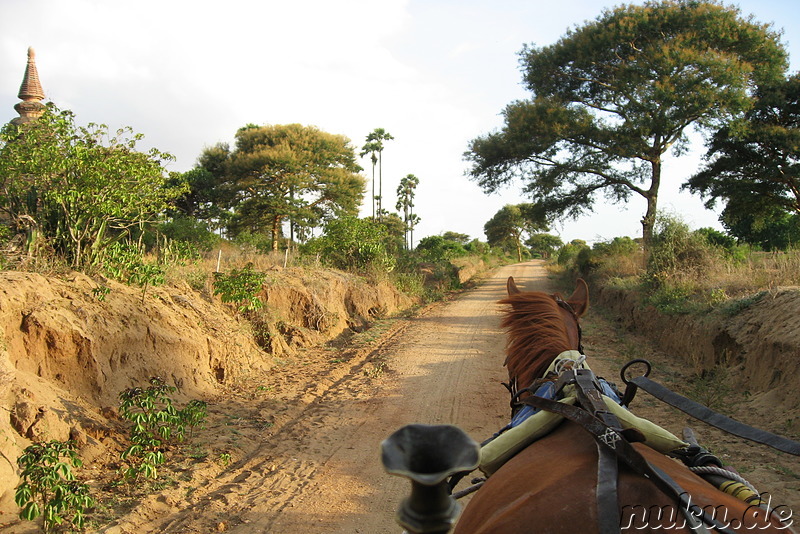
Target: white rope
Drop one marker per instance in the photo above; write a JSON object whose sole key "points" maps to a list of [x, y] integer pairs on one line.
{"points": [[569, 363], [714, 470]]}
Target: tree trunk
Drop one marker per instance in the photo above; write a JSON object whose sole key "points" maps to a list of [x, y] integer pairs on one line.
{"points": [[276, 233], [649, 219]]}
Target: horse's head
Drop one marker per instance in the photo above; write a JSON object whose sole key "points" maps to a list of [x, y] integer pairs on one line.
{"points": [[540, 326]]}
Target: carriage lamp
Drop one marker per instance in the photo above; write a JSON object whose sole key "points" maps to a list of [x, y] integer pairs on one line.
{"points": [[428, 455]]}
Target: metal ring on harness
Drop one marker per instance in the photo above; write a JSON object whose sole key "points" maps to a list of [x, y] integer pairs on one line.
{"points": [[630, 388]]}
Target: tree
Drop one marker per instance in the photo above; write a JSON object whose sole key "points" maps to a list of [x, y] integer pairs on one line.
{"points": [[510, 224], [544, 244], [355, 244], [458, 237], [80, 189], [610, 98], [374, 147], [289, 172], [754, 163], [405, 204]]}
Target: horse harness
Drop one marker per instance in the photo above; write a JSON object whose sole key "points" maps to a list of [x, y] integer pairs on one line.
{"points": [[614, 442]]}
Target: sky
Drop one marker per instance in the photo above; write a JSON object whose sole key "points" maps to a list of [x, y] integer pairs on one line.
{"points": [[435, 74]]}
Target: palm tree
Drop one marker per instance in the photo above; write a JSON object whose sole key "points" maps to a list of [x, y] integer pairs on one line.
{"points": [[405, 203], [373, 146]]}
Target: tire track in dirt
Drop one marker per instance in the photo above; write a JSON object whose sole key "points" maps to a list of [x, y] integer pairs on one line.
{"points": [[317, 469]]}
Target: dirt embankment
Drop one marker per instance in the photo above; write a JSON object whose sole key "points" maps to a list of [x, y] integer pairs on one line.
{"points": [[67, 350], [301, 428], [758, 347]]}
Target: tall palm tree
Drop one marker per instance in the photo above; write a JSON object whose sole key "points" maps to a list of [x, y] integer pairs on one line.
{"points": [[373, 146], [405, 203]]}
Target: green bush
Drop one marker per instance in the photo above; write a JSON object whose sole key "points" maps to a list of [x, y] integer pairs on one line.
{"points": [[436, 248], [156, 422], [241, 287], [677, 254], [48, 487], [355, 244], [192, 231]]}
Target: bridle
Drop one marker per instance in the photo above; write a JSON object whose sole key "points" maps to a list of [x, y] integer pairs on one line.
{"points": [[566, 306]]}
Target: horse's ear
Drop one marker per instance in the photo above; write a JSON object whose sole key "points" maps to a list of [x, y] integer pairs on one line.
{"points": [[579, 300], [512, 287]]}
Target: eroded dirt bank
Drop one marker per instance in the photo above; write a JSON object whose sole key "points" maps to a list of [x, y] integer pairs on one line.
{"points": [[291, 441], [758, 348]]}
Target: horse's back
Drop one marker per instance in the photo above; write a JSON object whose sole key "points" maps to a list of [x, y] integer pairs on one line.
{"points": [[550, 487]]}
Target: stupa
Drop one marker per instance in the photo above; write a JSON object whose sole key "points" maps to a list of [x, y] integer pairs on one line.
{"points": [[30, 92]]}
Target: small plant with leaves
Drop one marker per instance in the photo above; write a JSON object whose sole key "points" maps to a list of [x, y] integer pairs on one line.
{"points": [[155, 421], [156, 424], [194, 413], [100, 292], [48, 487], [240, 287]]}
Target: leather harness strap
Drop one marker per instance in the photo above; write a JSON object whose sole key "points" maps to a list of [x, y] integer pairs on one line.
{"points": [[707, 415], [607, 469], [619, 446]]}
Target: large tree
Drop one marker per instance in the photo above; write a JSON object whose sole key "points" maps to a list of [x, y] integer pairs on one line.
{"points": [[754, 163], [610, 98], [510, 224], [288, 172]]}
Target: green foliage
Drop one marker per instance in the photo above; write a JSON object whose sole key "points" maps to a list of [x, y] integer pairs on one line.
{"points": [[156, 422], [78, 190], [289, 173], [735, 307], [240, 286], [100, 292], [48, 487], [126, 262], [612, 96], [436, 248], [544, 244], [569, 252], [350, 243], [753, 162], [678, 253], [190, 231], [671, 299], [509, 225], [769, 228], [406, 192]]}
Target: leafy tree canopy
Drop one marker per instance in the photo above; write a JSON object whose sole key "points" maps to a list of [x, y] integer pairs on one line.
{"points": [[511, 223], [754, 163], [544, 244], [611, 97], [80, 189], [287, 172]]}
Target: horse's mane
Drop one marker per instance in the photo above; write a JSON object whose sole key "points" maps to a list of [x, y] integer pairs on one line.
{"points": [[536, 335]]}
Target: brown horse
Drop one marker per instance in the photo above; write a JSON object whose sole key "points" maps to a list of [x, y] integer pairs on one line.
{"points": [[551, 485]]}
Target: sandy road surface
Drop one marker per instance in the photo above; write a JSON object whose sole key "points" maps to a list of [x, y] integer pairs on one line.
{"points": [[304, 440], [316, 431]]}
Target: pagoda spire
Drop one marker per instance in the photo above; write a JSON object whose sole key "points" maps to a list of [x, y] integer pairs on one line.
{"points": [[30, 92]]}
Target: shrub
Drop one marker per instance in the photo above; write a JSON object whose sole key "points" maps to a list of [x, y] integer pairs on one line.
{"points": [[192, 231], [48, 487], [156, 421], [350, 243], [240, 286]]}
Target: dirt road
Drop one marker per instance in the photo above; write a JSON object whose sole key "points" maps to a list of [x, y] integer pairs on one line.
{"points": [[297, 451], [305, 441]]}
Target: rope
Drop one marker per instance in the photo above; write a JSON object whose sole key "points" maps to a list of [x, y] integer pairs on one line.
{"points": [[568, 363], [714, 470]]}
